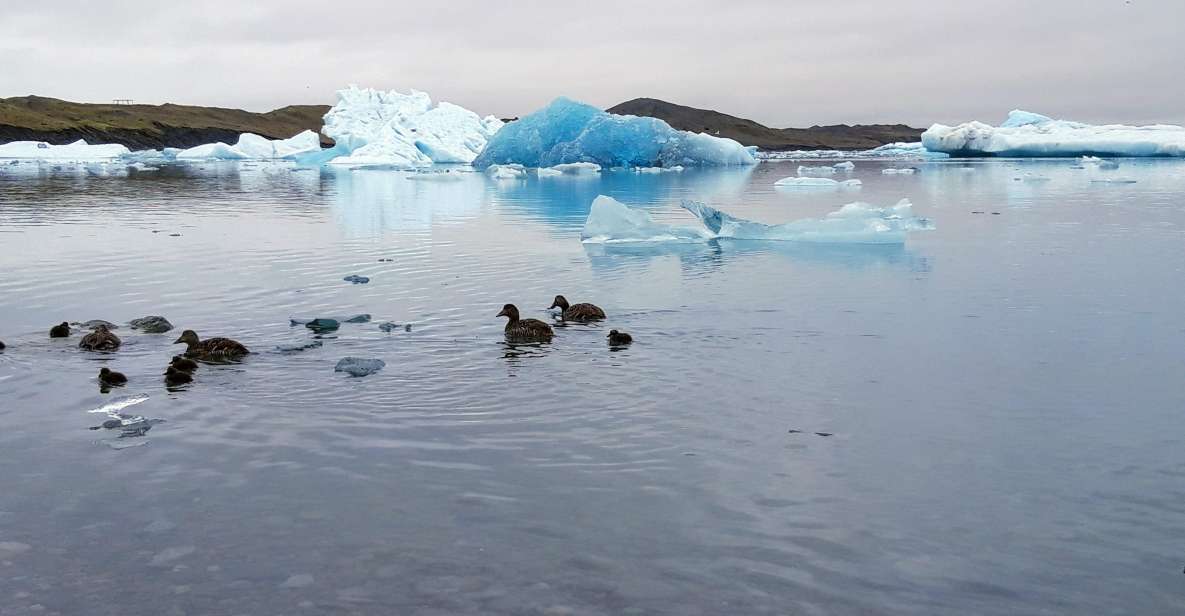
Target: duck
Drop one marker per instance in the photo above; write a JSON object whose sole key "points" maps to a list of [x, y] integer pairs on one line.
{"points": [[183, 364], [617, 338], [61, 330], [524, 329], [1, 345], [101, 339], [211, 348], [108, 376], [174, 376], [577, 312]]}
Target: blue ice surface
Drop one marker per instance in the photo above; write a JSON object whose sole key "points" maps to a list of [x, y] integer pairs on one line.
{"points": [[567, 131]]}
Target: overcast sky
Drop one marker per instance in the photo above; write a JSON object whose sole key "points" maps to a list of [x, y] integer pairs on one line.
{"points": [[780, 62]]}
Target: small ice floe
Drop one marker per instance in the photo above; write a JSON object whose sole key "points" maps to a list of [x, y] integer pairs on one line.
{"points": [[577, 168], [507, 172], [357, 318], [846, 165], [809, 183], [323, 325], [893, 171], [391, 326], [447, 175], [1030, 177], [548, 172], [359, 366], [297, 348], [112, 408], [671, 169], [356, 279], [805, 170], [1113, 181], [151, 324]]}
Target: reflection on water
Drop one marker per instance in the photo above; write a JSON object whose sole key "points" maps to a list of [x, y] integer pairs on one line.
{"points": [[996, 391]]}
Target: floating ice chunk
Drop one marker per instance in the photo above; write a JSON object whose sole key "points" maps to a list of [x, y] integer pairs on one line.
{"points": [[1113, 181], [376, 128], [567, 132], [611, 221], [846, 165], [1108, 165], [577, 168], [253, 147], [817, 183], [804, 170], [548, 172], [507, 172], [905, 171], [675, 169], [359, 366], [79, 151], [1028, 134], [900, 150], [113, 408], [1030, 177], [446, 175]]}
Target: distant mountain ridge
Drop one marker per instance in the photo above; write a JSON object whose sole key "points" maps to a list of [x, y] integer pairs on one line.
{"points": [[748, 132], [38, 118]]}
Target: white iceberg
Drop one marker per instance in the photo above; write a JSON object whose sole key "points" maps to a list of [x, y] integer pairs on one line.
{"points": [[610, 221], [577, 168], [804, 170], [376, 128], [79, 151], [892, 171], [846, 165], [507, 172], [548, 172], [568, 132], [811, 183], [254, 147], [675, 169], [1026, 134]]}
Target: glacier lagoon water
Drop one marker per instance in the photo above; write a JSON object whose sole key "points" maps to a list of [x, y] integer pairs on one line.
{"points": [[1003, 396]]}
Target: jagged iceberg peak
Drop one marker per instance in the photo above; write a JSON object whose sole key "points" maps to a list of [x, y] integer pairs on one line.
{"points": [[1027, 134], [568, 131], [610, 221], [373, 127], [254, 147]]}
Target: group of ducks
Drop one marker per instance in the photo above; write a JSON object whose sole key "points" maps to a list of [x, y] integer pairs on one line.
{"points": [[534, 330], [180, 369]]}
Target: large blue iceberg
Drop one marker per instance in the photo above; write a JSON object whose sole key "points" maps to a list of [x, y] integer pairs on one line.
{"points": [[1027, 134], [567, 131]]}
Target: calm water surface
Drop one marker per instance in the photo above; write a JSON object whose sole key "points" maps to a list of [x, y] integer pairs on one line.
{"points": [[1004, 396]]}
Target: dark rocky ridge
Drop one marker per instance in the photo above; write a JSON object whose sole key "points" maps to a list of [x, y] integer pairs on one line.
{"points": [[748, 132]]}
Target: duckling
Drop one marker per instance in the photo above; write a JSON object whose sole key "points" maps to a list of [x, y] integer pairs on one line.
{"points": [[174, 376], [577, 312], [182, 364], [1, 345], [211, 348], [101, 339], [524, 330], [108, 376], [61, 330], [617, 338]]}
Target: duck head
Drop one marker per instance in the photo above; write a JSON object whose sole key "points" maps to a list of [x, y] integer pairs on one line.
{"points": [[612, 333], [188, 336], [559, 302], [510, 311], [104, 371]]}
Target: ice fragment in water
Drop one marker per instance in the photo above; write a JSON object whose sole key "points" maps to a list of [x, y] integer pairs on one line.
{"points": [[811, 183], [805, 170], [1027, 134], [359, 366]]}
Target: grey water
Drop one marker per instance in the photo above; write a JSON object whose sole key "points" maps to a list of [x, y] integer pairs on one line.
{"points": [[1003, 396]]}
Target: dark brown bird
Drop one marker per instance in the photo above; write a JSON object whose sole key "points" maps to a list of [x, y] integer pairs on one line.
{"points": [[617, 338], [174, 376], [182, 364], [577, 312], [524, 330], [101, 339], [1, 345], [61, 330], [108, 376], [211, 348]]}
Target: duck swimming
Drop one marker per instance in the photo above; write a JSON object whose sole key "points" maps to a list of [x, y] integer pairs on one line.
{"points": [[577, 312], [101, 339], [524, 329], [617, 338], [108, 376], [211, 348], [182, 364], [61, 330], [174, 376]]}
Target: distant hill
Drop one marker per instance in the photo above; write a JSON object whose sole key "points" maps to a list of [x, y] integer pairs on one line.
{"points": [[36, 118], [748, 132]]}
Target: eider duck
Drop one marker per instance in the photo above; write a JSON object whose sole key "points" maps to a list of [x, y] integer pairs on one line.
{"points": [[524, 329], [101, 339], [108, 376], [174, 376], [183, 364], [1, 345], [577, 312], [617, 338], [212, 348], [61, 330]]}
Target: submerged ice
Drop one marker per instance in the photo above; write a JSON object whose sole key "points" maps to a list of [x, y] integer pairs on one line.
{"points": [[567, 131], [610, 221], [1027, 134], [376, 128]]}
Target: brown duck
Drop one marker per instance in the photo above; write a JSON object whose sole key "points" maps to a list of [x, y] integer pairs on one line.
{"points": [[174, 376], [617, 338], [108, 376], [61, 330], [524, 329], [182, 364], [101, 339], [577, 312], [211, 348]]}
